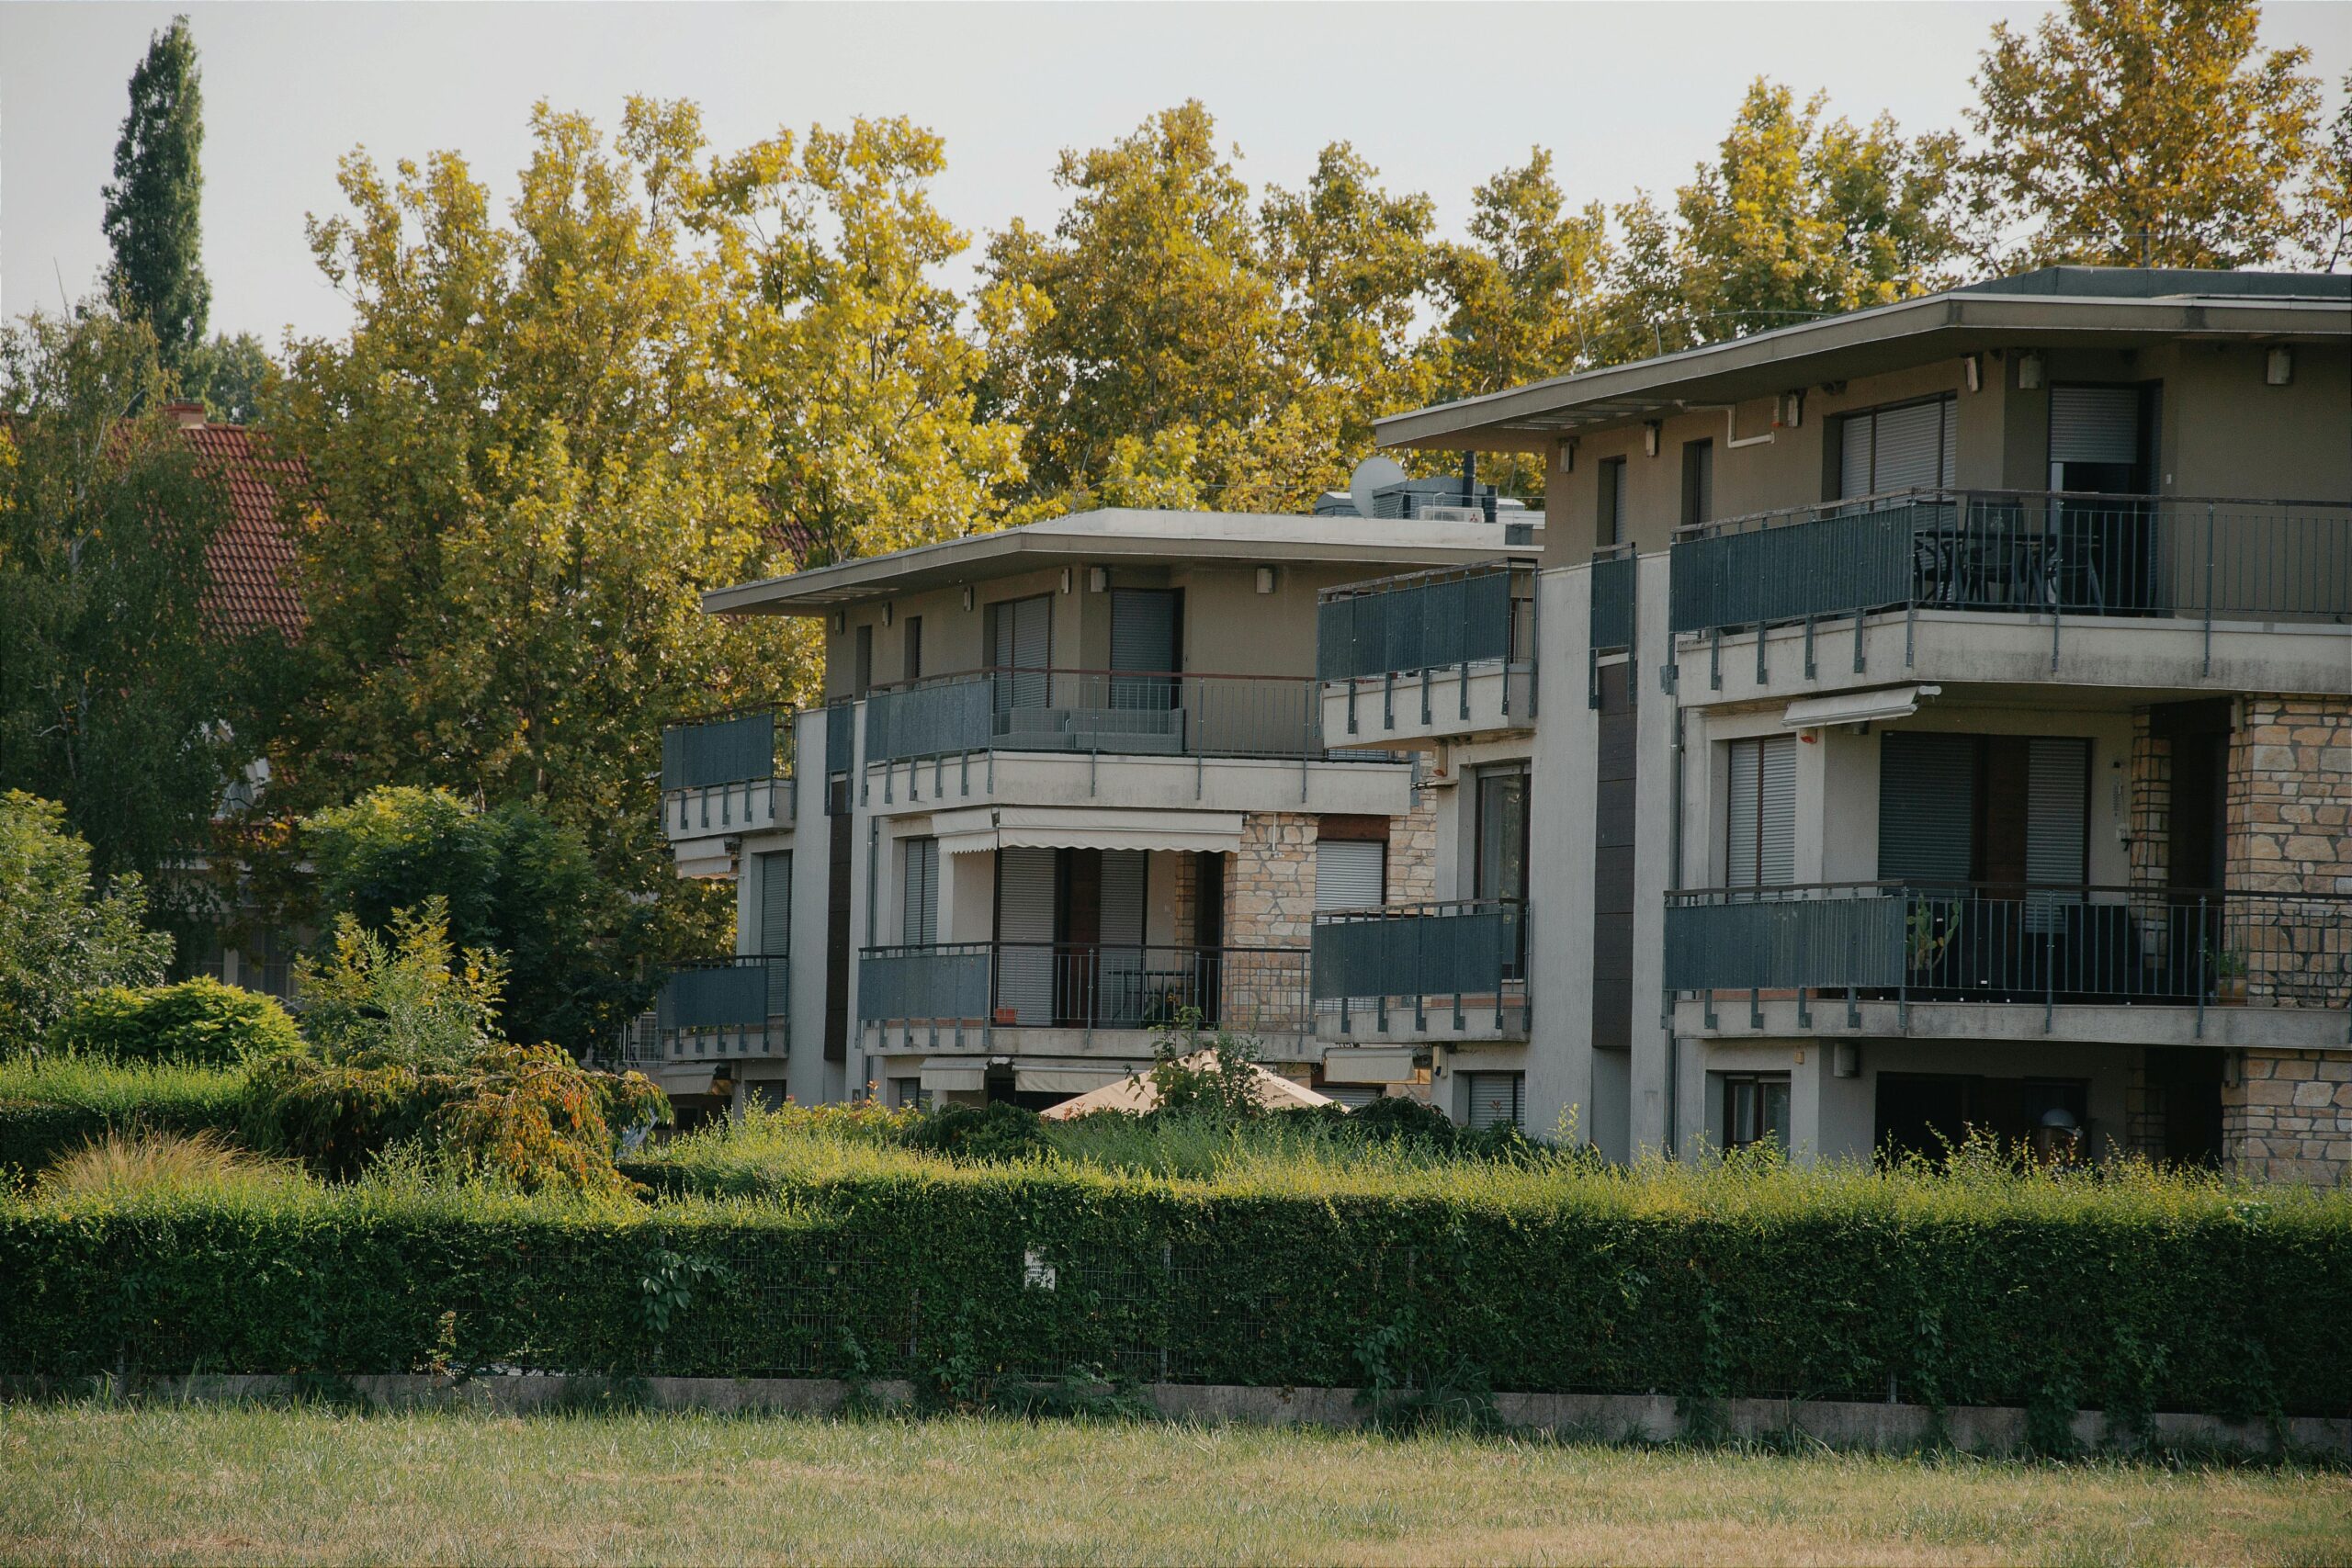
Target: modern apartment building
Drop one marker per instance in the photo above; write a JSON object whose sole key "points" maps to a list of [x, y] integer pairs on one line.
{"points": [[1945, 725], [1071, 781]]}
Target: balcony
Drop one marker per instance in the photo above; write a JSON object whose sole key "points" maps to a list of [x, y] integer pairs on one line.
{"points": [[722, 777], [1137, 739], [1978, 586], [1405, 661], [2132, 964], [1439, 971], [1259, 991], [728, 1009]]}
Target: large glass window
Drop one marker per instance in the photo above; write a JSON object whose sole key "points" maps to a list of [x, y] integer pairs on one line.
{"points": [[1502, 870], [1756, 1109]]}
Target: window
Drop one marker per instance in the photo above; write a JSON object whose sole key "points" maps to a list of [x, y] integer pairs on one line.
{"points": [[1350, 874], [1760, 828], [1755, 1108], [1609, 515], [861, 669], [914, 648], [918, 902], [1907, 447], [775, 904], [905, 1094], [1020, 641], [1698, 483], [1502, 870], [1494, 1099]]}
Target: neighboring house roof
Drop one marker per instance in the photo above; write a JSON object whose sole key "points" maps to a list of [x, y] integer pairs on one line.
{"points": [[251, 560], [1134, 535], [2111, 306]]}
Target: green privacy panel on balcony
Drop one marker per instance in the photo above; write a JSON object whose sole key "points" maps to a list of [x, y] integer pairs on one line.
{"points": [[1613, 602], [1419, 625], [1828, 566], [723, 996], [730, 750], [1777, 944], [923, 983], [1409, 954], [935, 720]]}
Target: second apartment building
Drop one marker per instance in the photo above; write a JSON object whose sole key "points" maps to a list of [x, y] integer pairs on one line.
{"points": [[1960, 734], [1070, 782]]}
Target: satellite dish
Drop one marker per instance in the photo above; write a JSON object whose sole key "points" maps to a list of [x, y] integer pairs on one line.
{"points": [[1373, 473]]}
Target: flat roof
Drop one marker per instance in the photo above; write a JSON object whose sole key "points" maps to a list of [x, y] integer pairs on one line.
{"points": [[1135, 535], [2058, 306]]}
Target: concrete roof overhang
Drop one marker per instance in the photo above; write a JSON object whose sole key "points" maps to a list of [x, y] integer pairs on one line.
{"points": [[1863, 343], [1135, 537]]}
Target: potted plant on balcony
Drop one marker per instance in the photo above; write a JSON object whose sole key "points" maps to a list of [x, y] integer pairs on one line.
{"points": [[2228, 969], [1005, 1016]]}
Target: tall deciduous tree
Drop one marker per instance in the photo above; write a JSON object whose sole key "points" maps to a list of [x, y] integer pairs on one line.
{"points": [[2145, 132], [1147, 309], [858, 357], [154, 205], [533, 453], [62, 937], [1797, 217], [117, 697]]}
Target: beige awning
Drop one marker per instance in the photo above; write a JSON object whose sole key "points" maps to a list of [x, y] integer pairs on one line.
{"points": [[1063, 1078], [1856, 708], [1272, 1090], [1368, 1064], [1083, 828], [686, 1080], [947, 1077]]}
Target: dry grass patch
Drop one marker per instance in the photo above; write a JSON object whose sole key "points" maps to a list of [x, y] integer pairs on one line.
{"points": [[159, 1485]]}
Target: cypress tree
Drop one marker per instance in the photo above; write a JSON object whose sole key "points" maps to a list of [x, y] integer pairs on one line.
{"points": [[154, 204]]}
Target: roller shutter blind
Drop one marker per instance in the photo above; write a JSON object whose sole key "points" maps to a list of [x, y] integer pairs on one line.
{"points": [[1912, 447], [1349, 872], [775, 904], [1761, 838], [2056, 829], [919, 905], [1022, 643], [1927, 806], [1498, 1099], [1024, 928], [2093, 424]]}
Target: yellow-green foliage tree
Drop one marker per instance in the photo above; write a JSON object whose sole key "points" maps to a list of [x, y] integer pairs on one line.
{"points": [[2146, 133]]}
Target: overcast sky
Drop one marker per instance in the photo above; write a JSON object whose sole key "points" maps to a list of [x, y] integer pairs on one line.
{"points": [[1438, 96]]}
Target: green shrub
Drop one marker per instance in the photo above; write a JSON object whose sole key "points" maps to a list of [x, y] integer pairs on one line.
{"points": [[528, 1115], [2130, 1293], [199, 1021], [1000, 1131]]}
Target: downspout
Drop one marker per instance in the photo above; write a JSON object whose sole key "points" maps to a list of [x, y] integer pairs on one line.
{"points": [[1732, 437]]}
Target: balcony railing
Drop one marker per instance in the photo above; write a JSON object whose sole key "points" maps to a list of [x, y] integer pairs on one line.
{"points": [[730, 1007], [2007, 942], [1253, 990], [1119, 712], [728, 771], [2021, 552], [1426, 621], [1468, 956]]}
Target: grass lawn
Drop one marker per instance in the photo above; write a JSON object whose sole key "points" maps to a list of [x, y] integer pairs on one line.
{"points": [[89, 1484]]}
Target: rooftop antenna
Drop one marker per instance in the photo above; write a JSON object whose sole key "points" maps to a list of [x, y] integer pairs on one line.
{"points": [[1375, 473]]}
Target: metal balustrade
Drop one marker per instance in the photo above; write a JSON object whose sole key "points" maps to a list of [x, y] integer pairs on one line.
{"points": [[2020, 552], [1119, 712], [1471, 955], [2013, 943], [1427, 620], [1255, 990], [727, 1007], [728, 771]]}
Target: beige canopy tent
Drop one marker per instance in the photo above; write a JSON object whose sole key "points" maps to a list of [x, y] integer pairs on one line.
{"points": [[1273, 1091]]}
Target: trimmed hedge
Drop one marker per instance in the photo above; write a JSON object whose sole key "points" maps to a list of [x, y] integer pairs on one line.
{"points": [[49, 1107], [2131, 1296]]}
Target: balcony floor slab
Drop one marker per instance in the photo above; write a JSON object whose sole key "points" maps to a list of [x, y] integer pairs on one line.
{"points": [[2222, 1027]]}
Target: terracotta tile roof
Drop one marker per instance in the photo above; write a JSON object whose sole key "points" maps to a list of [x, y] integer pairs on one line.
{"points": [[252, 559]]}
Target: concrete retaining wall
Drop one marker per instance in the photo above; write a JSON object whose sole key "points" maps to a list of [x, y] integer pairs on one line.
{"points": [[1602, 1416]]}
